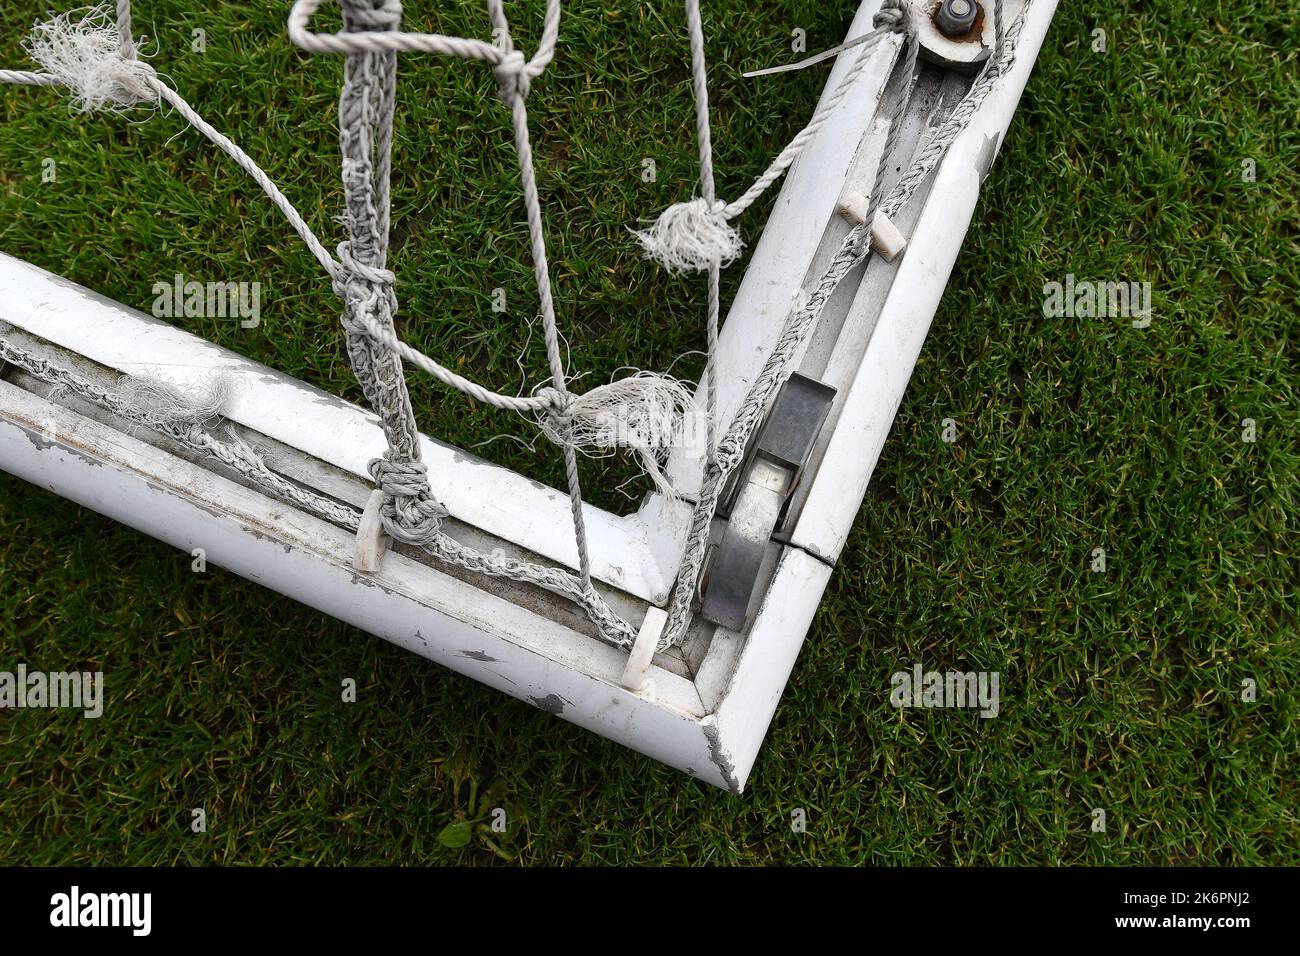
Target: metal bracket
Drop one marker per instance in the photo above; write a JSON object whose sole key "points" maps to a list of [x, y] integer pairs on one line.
{"points": [[965, 52], [757, 498]]}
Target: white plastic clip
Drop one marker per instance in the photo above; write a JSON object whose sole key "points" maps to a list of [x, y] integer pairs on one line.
{"points": [[888, 242], [371, 540], [643, 651]]}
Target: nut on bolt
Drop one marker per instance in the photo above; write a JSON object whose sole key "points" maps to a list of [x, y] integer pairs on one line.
{"points": [[955, 18]]}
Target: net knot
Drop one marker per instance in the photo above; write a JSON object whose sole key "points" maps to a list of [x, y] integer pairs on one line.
{"points": [[512, 76], [645, 413], [560, 406], [691, 237], [157, 403]]}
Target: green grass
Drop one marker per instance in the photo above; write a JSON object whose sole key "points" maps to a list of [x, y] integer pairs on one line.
{"points": [[1120, 690]]}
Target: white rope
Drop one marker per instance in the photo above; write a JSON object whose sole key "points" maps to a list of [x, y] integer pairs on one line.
{"points": [[259, 176], [394, 41], [814, 59], [513, 78], [127, 47], [387, 42], [704, 136], [29, 78]]}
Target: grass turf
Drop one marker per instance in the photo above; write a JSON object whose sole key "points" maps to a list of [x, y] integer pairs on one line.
{"points": [[1121, 690]]}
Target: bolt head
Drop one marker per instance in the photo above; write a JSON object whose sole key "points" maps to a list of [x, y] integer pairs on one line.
{"points": [[955, 18]]}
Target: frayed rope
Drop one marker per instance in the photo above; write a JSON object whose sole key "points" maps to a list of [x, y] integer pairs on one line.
{"points": [[83, 51], [691, 237], [153, 402], [647, 413]]}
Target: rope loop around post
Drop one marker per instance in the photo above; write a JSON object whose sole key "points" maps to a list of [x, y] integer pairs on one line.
{"points": [[892, 15], [410, 513]]}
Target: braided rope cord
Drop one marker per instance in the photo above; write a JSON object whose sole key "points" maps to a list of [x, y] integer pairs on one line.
{"points": [[191, 434], [240, 457], [28, 78], [124, 28], [410, 512]]}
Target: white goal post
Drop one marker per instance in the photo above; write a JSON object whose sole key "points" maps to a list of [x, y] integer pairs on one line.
{"points": [[703, 707]]}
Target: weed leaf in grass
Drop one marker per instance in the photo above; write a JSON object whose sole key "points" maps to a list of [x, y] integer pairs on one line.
{"points": [[456, 835]]}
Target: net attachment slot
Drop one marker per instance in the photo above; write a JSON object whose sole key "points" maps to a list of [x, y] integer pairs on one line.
{"points": [[757, 497]]}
